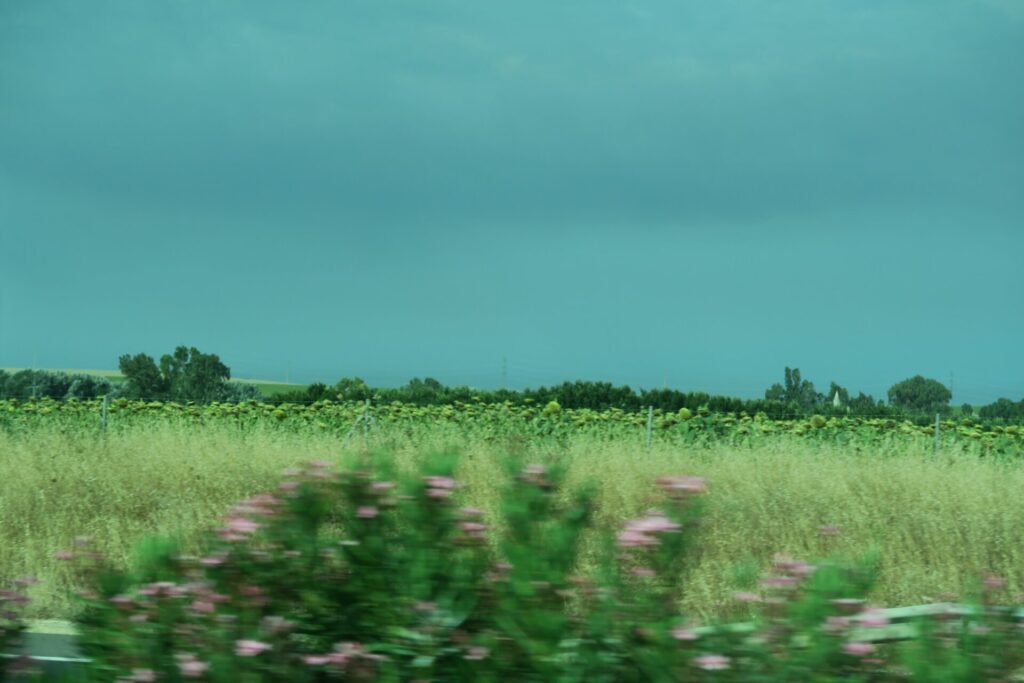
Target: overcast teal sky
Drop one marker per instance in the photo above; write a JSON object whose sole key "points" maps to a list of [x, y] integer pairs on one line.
{"points": [[649, 192]]}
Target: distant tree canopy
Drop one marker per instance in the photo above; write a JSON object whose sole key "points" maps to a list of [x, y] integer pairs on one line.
{"points": [[186, 375], [1003, 409], [797, 392], [920, 395], [45, 384]]}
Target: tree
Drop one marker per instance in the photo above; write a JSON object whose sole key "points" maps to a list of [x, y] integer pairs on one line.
{"points": [[352, 389], [797, 391], [920, 395], [186, 375], [143, 377]]}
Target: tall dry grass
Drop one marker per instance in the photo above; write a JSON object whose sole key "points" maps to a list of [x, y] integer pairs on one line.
{"points": [[937, 521]]}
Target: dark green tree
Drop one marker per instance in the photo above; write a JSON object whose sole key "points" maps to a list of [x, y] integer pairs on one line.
{"points": [[797, 392], [195, 376], [920, 395], [186, 375], [143, 377], [352, 389]]}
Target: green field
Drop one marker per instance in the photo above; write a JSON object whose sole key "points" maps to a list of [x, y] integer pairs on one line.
{"points": [[939, 520]]}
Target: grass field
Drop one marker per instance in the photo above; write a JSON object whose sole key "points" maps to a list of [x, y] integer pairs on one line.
{"points": [[937, 521]]}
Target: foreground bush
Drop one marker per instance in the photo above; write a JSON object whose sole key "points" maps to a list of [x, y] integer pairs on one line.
{"points": [[364, 575]]}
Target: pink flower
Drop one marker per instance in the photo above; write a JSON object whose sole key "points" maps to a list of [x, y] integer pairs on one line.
{"points": [[712, 662], [191, 667], [858, 648], [834, 624], [242, 525], [382, 486], [476, 653], [441, 482], [993, 582], [683, 485], [121, 600], [635, 539], [250, 648], [143, 675], [366, 512], [684, 633], [213, 560], [779, 582], [746, 596], [873, 618], [203, 607], [316, 660]]}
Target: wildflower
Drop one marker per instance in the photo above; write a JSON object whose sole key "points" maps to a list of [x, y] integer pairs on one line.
{"points": [[635, 539], [836, 624], [746, 596], [288, 486], [143, 675], [641, 532], [993, 582], [121, 601], [213, 560], [202, 607], [858, 648], [250, 648], [64, 555], [780, 582], [643, 572], [366, 512], [873, 617], [712, 662], [189, 666], [471, 512], [476, 653], [316, 660], [682, 485], [381, 486], [828, 530], [684, 633]]}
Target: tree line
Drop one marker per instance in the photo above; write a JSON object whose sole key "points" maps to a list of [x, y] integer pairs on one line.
{"points": [[188, 374]]}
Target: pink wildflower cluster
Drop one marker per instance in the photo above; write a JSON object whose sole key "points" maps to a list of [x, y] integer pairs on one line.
{"points": [[440, 487], [345, 656], [472, 529], [790, 573], [644, 532], [682, 486], [537, 475]]}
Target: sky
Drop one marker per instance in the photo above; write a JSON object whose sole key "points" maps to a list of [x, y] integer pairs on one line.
{"points": [[648, 192]]}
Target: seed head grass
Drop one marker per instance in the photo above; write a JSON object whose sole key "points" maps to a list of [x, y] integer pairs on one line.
{"points": [[937, 522]]}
